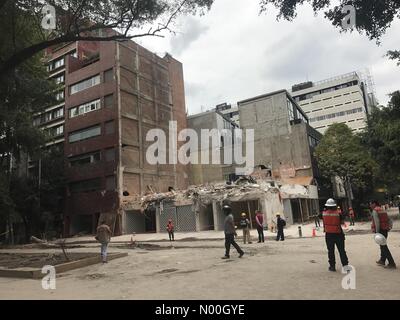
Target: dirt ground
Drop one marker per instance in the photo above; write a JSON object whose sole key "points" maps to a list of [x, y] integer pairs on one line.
{"points": [[38, 260], [294, 269]]}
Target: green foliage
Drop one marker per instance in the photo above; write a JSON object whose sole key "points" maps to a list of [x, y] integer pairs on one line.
{"points": [[382, 137], [341, 154], [83, 19]]}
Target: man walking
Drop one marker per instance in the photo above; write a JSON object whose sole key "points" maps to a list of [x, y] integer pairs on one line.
{"points": [[103, 236], [334, 235], [381, 223], [245, 226], [316, 219], [230, 233], [281, 223], [260, 226]]}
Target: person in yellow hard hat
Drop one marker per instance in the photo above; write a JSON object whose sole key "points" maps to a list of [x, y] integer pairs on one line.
{"points": [[245, 226]]}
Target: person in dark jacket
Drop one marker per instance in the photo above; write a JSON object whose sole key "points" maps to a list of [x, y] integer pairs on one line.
{"points": [[280, 223], [103, 236], [230, 233]]}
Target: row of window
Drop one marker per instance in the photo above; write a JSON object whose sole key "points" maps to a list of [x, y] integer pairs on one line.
{"points": [[331, 89], [294, 112], [49, 116], [92, 158], [60, 62], [92, 185], [336, 115], [85, 84], [56, 131], [91, 132]]}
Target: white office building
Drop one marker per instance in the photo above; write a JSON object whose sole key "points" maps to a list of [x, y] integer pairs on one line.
{"points": [[345, 99]]}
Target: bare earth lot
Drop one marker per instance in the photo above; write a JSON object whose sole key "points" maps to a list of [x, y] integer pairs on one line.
{"points": [[294, 269]]}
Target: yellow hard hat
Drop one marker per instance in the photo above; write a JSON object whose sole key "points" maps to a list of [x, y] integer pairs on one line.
{"points": [[244, 214], [278, 214]]}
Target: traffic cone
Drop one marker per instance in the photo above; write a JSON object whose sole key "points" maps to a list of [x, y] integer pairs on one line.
{"points": [[314, 233]]}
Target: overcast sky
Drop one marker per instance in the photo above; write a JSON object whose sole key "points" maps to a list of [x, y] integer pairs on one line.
{"points": [[233, 53]]}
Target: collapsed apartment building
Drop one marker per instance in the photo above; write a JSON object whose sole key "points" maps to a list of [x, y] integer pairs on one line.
{"points": [[285, 176], [113, 93]]}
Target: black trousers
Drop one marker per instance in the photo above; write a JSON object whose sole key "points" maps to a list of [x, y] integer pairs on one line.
{"points": [[230, 240], [385, 252], [332, 240], [171, 236], [280, 235], [260, 231]]}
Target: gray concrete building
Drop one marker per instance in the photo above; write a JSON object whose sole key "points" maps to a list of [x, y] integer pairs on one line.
{"points": [[346, 98], [284, 143]]}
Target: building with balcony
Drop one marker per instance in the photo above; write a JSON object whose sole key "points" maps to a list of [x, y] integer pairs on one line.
{"points": [[111, 94]]}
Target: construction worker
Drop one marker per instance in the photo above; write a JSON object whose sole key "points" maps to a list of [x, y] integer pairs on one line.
{"points": [[352, 216], [381, 223], [334, 234], [230, 233], [260, 226], [103, 236], [281, 223], [316, 219], [245, 226], [170, 229]]}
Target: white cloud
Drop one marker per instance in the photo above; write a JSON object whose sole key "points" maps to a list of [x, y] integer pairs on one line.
{"points": [[233, 53]]}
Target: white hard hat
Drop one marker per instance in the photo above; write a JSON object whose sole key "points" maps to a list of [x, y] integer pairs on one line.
{"points": [[330, 203], [380, 239]]}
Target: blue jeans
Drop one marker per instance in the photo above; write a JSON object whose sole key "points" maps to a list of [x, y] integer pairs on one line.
{"points": [[104, 247]]}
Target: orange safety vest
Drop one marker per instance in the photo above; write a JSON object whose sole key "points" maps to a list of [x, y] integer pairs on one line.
{"points": [[383, 220], [332, 221]]}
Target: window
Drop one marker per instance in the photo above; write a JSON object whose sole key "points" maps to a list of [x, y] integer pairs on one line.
{"points": [[85, 84], [109, 101], [109, 127], [85, 186], [60, 96], [56, 64], [84, 108], [85, 159], [290, 110], [85, 134], [56, 131], [110, 183], [110, 155], [59, 79], [109, 76]]}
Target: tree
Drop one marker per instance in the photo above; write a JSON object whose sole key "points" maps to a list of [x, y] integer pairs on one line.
{"points": [[373, 17], [341, 154], [382, 138], [84, 20]]}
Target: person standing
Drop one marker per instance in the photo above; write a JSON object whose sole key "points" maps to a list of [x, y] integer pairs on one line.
{"points": [[316, 219], [381, 223], [260, 226], [281, 223], [334, 235], [170, 229], [245, 226], [103, 236], [230, 233], [352, 216]]}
